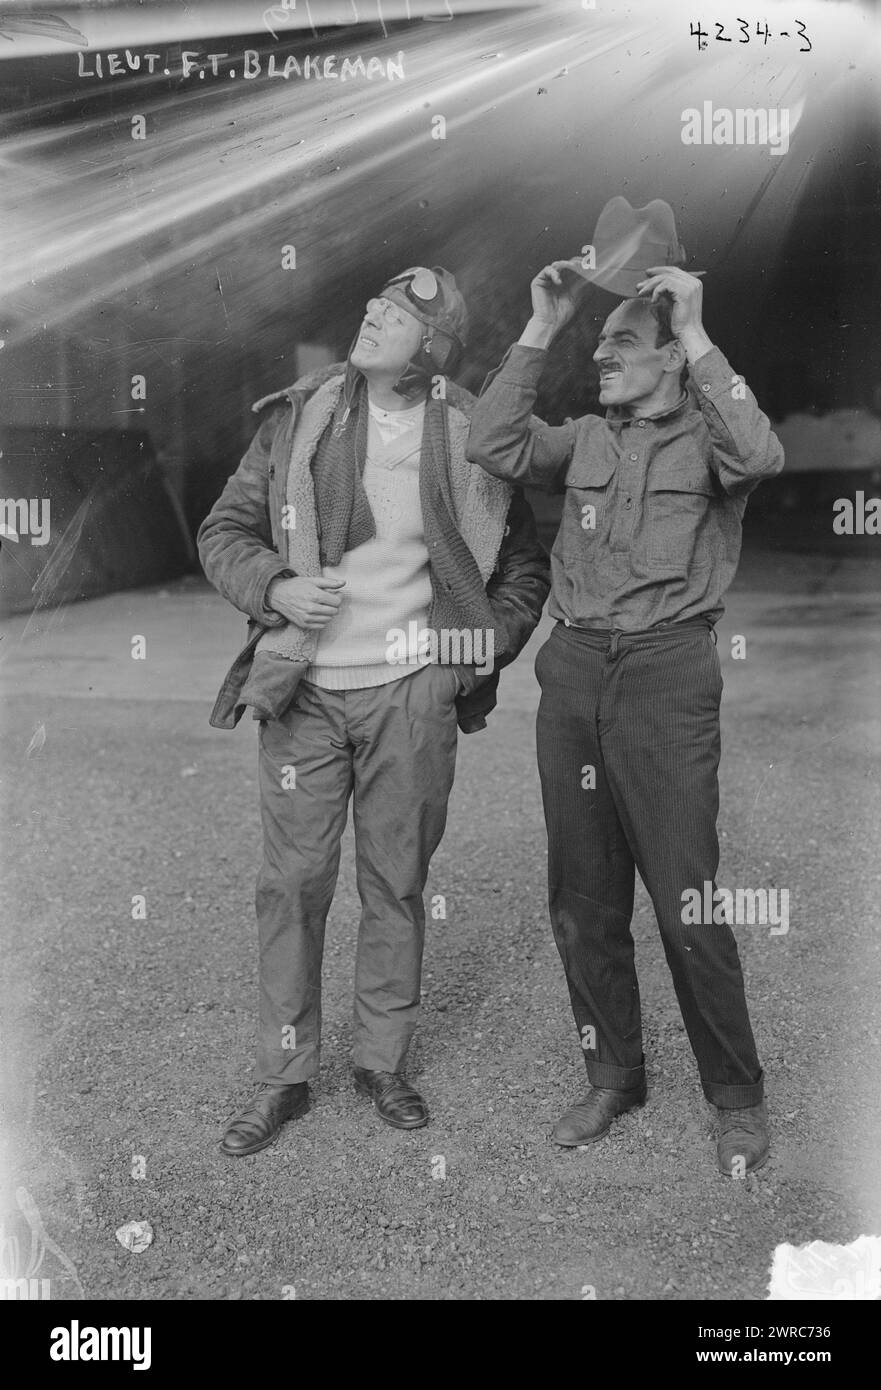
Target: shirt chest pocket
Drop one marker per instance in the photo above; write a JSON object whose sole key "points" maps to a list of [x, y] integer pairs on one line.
{"points": [[588, 489], [679, 499]]}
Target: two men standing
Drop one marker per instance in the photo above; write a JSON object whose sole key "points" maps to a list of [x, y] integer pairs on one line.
{"points": [[395, 524]]}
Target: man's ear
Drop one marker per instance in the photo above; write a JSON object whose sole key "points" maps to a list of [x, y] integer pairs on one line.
{"points": [[675, 356]]}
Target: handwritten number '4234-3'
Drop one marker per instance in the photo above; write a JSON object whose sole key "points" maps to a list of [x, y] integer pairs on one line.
{"points": [[762, 32]]}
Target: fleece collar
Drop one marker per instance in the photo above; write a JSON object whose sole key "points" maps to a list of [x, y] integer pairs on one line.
{"points": [[480, 504]]}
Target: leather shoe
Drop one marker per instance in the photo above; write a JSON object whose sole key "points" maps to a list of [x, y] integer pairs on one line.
{"points": [[743, 1140], [395, 1099], [591, 1117], [259, 1123]]}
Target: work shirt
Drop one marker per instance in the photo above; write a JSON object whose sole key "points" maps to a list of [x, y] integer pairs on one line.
{"points": [[651, 524]]}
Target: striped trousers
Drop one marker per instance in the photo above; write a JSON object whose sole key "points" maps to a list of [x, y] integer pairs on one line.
{"points": [[628, 752]]}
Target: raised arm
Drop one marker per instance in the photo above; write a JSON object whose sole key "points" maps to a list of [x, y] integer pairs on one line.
{"points": [[745, 448], [506, 438]]}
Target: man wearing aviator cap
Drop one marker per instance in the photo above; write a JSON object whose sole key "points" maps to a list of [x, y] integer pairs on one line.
{"points": [[386, 580]]}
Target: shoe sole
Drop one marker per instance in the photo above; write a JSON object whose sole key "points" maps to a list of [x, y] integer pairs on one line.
{"points": [[264, 1143], [395, 1124], [595, 1139]]}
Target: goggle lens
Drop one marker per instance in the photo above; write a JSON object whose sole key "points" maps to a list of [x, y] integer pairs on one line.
{"points": [[420, 285]]}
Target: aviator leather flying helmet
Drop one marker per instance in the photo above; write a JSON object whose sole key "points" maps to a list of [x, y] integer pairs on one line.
{"points": [[432, 297]]}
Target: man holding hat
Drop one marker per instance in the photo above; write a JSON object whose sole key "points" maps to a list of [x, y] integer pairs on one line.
{"points": [[386, 581], [628, 725]]}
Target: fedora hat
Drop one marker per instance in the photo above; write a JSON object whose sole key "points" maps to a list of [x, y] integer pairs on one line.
{"points": [[627, 241]]}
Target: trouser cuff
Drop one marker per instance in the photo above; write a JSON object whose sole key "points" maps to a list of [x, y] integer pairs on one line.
{"points": [[371, 1058], [735, 1097], [299, 1068], [609, 1077]]}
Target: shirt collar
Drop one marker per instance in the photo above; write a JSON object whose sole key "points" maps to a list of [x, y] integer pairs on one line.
{"points": [[614, 414]]}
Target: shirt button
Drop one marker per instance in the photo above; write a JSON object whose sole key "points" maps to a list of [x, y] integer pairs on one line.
{"points": [[641, 424], [705, 386], [566, 622], [634, 458], [628, 502]]}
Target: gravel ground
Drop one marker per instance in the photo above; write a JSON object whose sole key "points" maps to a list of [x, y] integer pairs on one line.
{"points": [[130, 1040]]}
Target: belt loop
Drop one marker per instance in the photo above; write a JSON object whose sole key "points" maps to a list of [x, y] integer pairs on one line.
{"points": [[613, 645]]}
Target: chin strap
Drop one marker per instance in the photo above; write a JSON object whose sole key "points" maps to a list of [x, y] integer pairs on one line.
{"points": [[414, 380], [416, 376], [350, 388]]}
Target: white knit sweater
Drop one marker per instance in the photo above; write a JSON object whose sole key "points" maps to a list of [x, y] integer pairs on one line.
{"points": [[388, 585]]}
